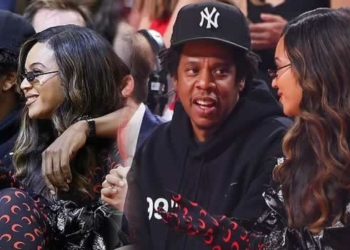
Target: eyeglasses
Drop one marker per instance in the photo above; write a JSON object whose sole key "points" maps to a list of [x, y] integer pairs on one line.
{"points": [[31, 75], [273, 72]]}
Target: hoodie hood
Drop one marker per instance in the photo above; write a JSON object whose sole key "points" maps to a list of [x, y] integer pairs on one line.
{"points": [[256, 103]]}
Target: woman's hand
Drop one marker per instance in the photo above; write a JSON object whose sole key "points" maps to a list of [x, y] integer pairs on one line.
{"points": [[56, 158], [115, 187]]}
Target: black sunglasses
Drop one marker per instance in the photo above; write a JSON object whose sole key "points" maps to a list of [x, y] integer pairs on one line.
{"points": [[31, 75], [273, 72]]}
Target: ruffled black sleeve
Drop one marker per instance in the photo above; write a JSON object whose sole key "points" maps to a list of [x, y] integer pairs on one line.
{"points": [[83, 228]]}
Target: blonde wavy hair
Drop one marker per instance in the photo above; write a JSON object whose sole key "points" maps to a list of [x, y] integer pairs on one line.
{"points": [[91, 76]]}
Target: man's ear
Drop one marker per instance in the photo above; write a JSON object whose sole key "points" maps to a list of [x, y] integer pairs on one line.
{"points": [[9, 82], [241, 85], [129, 85]]}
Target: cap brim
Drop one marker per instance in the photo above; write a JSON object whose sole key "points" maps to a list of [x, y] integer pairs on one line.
{"points": [[210, 38]]}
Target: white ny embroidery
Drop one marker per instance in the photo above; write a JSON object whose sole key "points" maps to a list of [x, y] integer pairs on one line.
{"points": [[209, 17]]}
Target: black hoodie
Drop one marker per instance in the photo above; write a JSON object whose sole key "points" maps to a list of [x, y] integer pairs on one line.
{"points": [[9, 128], [226, 174]]}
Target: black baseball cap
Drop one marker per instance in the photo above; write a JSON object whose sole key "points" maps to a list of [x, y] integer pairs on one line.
{"points": [[14, 31], [211, 21]]}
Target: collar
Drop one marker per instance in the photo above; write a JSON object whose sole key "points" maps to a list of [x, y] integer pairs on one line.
{"points": [[129, 134]]}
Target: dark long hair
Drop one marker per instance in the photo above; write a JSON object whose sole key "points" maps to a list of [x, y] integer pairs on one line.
{"points": [[91, 77], [315, 177]]}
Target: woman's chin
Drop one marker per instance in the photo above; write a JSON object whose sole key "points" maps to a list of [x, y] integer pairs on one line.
{"points": [[290, 113], [35, 115]]}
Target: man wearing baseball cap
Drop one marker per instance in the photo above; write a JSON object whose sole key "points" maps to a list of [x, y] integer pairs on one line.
{"points": [[225, 136], [14, 31]]}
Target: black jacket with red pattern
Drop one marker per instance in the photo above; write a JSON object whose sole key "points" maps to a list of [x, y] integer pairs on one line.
{"points": [[226, 174]]}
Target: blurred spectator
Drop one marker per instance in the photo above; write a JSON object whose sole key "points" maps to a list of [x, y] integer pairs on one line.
{"points": [[267, 21], [137, 53], [107, 17], [157, 15], [14, 31], [48, 13]]}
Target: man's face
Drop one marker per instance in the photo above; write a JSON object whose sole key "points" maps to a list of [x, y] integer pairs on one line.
{"points": [[206, 84], [46, 18]]}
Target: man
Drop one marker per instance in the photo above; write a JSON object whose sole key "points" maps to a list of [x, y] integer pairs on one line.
{"points": [[222, 143], [14, 31], [44, 14], [137, 53]]}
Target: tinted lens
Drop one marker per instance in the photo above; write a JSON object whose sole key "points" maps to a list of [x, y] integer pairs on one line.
{"points": [[30, 76]]}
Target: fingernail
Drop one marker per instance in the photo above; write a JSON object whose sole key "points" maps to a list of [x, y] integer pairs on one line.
{"points": [[52, 192], [121, 183], [69, 181]]}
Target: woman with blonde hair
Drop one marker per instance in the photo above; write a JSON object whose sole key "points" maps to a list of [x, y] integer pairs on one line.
{"points": [[66, 74]]}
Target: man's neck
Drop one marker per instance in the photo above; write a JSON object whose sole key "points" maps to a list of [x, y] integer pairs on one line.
{"points": [[132, 103], [201, 135]]}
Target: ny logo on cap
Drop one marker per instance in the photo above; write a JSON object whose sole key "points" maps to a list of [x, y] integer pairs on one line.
{"points": [[212, 18]]}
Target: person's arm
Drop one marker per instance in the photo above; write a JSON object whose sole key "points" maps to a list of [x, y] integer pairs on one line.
{"points": [[339, 3], [56, 158], [266, 34], [218, 232]]}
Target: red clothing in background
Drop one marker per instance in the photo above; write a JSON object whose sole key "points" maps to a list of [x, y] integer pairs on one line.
{"points": [[160, 25]]}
